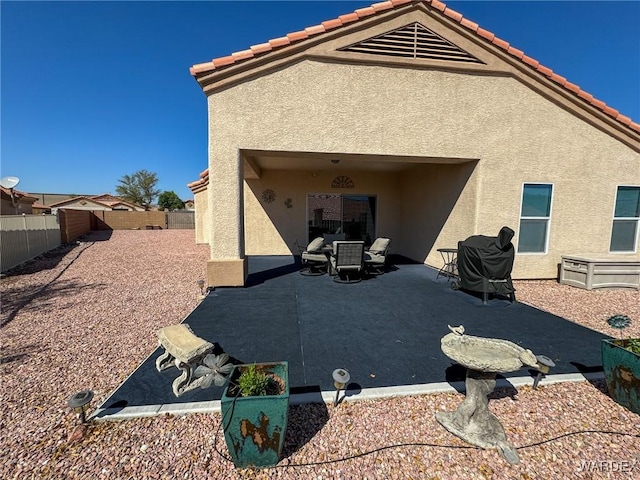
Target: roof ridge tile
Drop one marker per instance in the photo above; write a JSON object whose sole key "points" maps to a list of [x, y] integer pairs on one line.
{"points": [[515, 52], [449, 12], [365, 12], [348, 18], [315, 29], [437, 4], [299, 35], [381, 6], [473, 26], [331, 24], [261, 48], [279, 42], [498, 42]]}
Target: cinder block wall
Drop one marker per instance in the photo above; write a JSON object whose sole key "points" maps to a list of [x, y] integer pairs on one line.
{"points": [[115, 220], [74, 223]]}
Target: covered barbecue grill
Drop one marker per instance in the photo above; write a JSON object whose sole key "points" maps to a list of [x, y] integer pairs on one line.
{"points": [[485, 264]]}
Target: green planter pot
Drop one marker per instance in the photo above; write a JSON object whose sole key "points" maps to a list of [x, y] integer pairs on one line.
{"points": [[622, 373], [254, 427]]}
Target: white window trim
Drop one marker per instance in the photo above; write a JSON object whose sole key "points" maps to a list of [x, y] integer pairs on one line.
{"points": [[613, 218], [548, 218]]}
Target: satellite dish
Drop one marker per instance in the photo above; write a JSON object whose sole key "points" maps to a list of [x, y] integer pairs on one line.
{"points": [[9, 182]]}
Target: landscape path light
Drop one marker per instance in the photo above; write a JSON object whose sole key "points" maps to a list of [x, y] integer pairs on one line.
{"points": [[201, 286], [79, 402], [543, 367], [340, 379]]}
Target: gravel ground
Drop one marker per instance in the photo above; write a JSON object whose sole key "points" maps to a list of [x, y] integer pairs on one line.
{"points": [[62, 312]]}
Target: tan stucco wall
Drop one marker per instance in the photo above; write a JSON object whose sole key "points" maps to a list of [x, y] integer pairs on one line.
{"points": [[516, 135], [272, 228], [202, 217]]}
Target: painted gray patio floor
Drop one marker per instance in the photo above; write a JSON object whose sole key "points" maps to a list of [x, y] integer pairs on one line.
{"points": [[385, 330]]}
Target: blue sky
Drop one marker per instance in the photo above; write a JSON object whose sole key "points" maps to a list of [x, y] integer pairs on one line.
{"points": [[91, 91]]}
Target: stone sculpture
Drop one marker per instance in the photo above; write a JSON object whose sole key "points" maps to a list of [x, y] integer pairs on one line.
{"points": [[483, 358]]}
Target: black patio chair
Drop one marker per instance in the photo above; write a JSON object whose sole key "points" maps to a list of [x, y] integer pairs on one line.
{"points": [[347, 261]]}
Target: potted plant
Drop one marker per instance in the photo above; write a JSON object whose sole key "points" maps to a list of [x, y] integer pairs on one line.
{"points": [[621, 365], [254, 406]]}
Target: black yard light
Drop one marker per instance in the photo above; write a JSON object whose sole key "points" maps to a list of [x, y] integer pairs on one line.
{"points": [[543, 367], [201, 286], [340, 379], [79, 402]]}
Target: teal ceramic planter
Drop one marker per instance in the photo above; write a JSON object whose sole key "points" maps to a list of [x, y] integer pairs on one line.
{"points": [[254, 427], [622, 373]]}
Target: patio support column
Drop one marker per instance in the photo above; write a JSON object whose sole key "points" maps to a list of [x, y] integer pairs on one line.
{"points": [[227, 266]]}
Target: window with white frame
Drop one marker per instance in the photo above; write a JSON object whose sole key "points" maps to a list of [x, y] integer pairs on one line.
{"points": [[535, 215], [626, 216]]}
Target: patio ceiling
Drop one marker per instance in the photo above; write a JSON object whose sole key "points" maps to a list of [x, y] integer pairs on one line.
{"points": [[257, 160]]}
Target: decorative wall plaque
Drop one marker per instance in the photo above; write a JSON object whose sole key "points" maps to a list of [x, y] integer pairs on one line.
{"points": [[342, 182], [268, 196]]}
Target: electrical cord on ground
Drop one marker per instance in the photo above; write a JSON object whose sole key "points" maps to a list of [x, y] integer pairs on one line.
{"points": [[215, 435], [579, 432], [403, 445]]}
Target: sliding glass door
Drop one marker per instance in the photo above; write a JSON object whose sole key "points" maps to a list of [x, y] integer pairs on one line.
{"points": [[354, 216]]}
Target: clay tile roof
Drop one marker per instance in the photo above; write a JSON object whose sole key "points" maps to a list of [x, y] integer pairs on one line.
{"points": [[532, 62], [469, 24], [201, 182], [515, 52], [366, 12], [315, 30], [348, 18], [295, 36], [329, 24]]}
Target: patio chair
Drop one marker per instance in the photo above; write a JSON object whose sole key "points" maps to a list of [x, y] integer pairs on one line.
{"points": [[314, 259], [375, 258], [347, 261]]}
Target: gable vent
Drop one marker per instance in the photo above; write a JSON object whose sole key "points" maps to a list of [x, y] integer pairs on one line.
{"points": [[413, 41]]}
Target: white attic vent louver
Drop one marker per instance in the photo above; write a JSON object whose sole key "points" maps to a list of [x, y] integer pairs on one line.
{"points": [[412, 41]]}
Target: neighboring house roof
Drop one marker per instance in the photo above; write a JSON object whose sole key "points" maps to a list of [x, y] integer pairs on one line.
{"points": [[120, 204], [203, 69], [79, 199], [19, 196], [113, 201], [105, 200]]}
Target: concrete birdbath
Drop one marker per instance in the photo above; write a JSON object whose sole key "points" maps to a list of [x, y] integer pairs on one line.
{"points": [[483, 358]]}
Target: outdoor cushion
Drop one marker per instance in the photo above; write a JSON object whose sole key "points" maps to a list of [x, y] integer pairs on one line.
{"points": [[370, 257], [380, 245], [314, 257], [315, 245]]}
